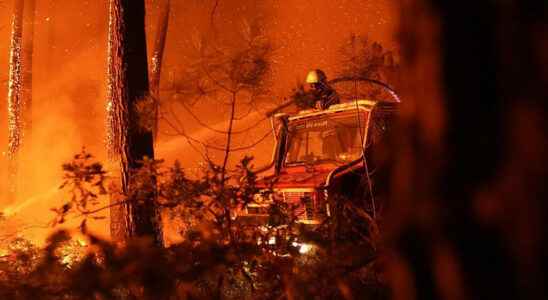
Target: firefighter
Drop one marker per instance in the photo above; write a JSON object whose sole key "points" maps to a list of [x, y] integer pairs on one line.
{"points": [[324, 93]]}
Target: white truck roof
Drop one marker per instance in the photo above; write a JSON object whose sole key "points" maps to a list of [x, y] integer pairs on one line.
{"points": [[363, 103]]}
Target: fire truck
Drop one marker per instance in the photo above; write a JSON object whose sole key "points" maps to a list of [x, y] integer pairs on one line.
{"points": [[322, 155]]}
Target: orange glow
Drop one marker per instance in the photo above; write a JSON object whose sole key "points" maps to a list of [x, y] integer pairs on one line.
{"points": [[69, 87]]}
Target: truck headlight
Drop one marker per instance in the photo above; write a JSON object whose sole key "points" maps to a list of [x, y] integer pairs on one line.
{"points": [[258, 198]]}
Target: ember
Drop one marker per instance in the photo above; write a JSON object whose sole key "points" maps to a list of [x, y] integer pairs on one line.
{"points": [[158, 149]]}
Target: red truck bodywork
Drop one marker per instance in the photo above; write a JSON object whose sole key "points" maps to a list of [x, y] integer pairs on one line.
{"points": [[321, 154]]}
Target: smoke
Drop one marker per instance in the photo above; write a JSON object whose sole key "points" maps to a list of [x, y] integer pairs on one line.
{"points": [[67, 113], [70, 75]]}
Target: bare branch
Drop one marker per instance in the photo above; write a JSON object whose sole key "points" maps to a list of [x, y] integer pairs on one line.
{"points": [[197, 119]]}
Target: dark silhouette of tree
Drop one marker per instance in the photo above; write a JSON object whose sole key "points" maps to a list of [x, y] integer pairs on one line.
{"points": [[469, 211], [361, 57], [235, 74], [130, 129], [218, 258]]}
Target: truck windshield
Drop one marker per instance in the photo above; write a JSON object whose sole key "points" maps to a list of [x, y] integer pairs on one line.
{"points": [[336, 139]]}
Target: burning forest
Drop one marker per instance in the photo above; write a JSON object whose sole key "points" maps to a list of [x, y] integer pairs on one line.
{"points": [[239, 149]]}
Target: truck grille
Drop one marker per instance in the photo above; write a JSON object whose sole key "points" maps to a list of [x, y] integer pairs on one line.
{"points": [[304, 203], [308, 205]]}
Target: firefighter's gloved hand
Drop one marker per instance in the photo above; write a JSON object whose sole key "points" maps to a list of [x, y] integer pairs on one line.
{"points": [[319, 105]]}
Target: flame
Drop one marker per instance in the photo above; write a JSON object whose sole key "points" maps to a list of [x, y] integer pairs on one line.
{"points": [[73, 251], [303, 247], [66, 260], [82, 242]]}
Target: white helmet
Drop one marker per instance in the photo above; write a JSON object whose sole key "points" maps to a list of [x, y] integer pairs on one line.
{"points": [[316, 76]]}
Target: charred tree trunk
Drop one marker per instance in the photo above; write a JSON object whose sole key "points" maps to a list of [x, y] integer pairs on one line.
{"points": [[157, 58], [130, 139], [15, 99], [469, 204]]}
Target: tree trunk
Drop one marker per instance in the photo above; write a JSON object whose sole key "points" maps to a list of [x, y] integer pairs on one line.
{"points": [[130, 139], [157, 58], [469, 212], [228, 136], [16, 123]]}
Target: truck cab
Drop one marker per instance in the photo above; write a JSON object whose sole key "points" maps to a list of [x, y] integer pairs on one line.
{"points": [[321, 156]]}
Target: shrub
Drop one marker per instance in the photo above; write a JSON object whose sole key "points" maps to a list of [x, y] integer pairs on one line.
{"points": [[219, 257]]}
